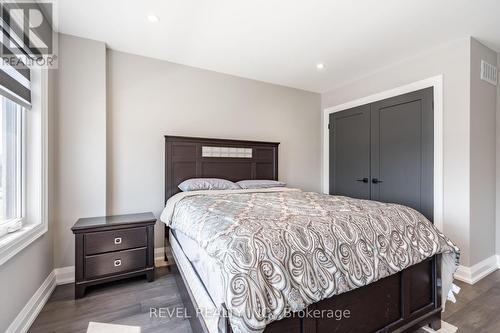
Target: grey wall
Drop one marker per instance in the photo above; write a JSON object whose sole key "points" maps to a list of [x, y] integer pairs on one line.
{"points": [[482, 155], [80, 187], [453, 61], [114, 110], [24, 273], [149, 98]]}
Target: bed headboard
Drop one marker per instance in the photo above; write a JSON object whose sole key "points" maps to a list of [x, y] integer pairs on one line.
{"points": [[235, 160]]}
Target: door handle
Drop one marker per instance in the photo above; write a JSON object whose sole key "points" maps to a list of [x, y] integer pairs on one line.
{"points": [[363, 180], [376, 181]]}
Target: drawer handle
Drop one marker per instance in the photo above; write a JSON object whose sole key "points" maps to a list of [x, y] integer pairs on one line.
{"points": [[118, 262], [118, 240]]}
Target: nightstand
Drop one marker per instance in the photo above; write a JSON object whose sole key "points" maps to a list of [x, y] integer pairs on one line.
{"points": [[115, 247]]}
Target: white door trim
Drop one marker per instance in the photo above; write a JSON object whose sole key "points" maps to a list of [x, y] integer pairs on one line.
{"points": [[437, 83]]}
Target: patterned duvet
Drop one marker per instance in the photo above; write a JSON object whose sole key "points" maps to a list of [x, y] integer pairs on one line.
{"points": [[281, 250]]}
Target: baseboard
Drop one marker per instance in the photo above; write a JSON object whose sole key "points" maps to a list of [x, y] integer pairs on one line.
{"points": [[65, 275], [474, 273], [160, 257], [445, 328], [159, 253], [28, 314]]}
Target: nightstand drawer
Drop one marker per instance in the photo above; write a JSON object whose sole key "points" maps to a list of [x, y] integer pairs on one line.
{"points": [[115, 240], [116, 262]]}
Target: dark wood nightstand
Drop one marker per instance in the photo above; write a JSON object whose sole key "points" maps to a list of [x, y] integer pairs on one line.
{"points": [[109, 248]]}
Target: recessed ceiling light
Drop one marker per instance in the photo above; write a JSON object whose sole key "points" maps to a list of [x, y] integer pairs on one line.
{"points": [[153, 18], [320, 66]]}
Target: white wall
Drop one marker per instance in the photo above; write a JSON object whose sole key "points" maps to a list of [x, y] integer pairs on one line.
{"points": [[482, 156], [149, 98], [80, 187], [453, 61]]}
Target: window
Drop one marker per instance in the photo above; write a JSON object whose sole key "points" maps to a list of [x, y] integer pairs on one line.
{"points": [[11, 165], [23, 132]]}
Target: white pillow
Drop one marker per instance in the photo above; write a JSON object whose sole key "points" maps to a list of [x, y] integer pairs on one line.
{"points": [[260, 183], [195, 184]]}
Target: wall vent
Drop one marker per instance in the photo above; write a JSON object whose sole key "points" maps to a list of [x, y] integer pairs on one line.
{"points": [[489, 73]]}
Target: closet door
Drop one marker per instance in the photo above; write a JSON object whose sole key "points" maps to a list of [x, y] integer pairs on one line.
{"points": [[402, 151], [350, 152]]}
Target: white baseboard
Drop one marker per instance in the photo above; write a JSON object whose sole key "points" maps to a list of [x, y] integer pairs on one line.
{"points": [[474, 273], [65, 275], [159, 253], [160, 257], [445, 328], [28, 314]]}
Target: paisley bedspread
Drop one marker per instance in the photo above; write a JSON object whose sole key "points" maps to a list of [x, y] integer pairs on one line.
{"points": [[281, 250]]}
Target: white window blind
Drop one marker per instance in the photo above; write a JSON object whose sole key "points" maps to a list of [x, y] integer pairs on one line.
{"points": [[15, 75]]}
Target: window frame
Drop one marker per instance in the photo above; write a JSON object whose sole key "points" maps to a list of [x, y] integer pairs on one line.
{"points": [[34, 181], [21, 181]]}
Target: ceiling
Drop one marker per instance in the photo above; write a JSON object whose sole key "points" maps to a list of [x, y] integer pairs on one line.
{"points": [[281, 41]]}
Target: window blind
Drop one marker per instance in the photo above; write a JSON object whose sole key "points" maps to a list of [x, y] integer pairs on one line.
{"points": [[15, 79]]}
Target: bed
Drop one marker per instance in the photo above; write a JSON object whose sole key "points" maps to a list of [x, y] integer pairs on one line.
{"points": [[396, 301]]}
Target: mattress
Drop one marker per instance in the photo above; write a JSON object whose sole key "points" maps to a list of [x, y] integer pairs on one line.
{"points": [[208, 311], [205, 266]]}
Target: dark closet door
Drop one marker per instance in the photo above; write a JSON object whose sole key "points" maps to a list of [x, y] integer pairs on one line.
{"points": [[350, 152], [402, 151]]}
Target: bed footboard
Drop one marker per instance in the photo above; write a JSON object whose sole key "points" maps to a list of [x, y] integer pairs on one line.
{"points": [[402, 302]]}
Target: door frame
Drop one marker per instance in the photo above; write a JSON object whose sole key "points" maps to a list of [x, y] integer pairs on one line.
{"points": [[436, 82]]}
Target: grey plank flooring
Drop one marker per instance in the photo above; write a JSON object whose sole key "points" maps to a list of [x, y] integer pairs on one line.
{"points": [[128, 303], [477, 307]]}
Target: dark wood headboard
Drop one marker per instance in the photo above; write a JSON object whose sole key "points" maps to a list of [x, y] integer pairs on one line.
{"points": [[184, 160]]}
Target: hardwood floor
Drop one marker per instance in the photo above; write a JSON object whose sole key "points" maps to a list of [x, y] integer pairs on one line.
{"points": [[129, 302], [477, 307]]}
